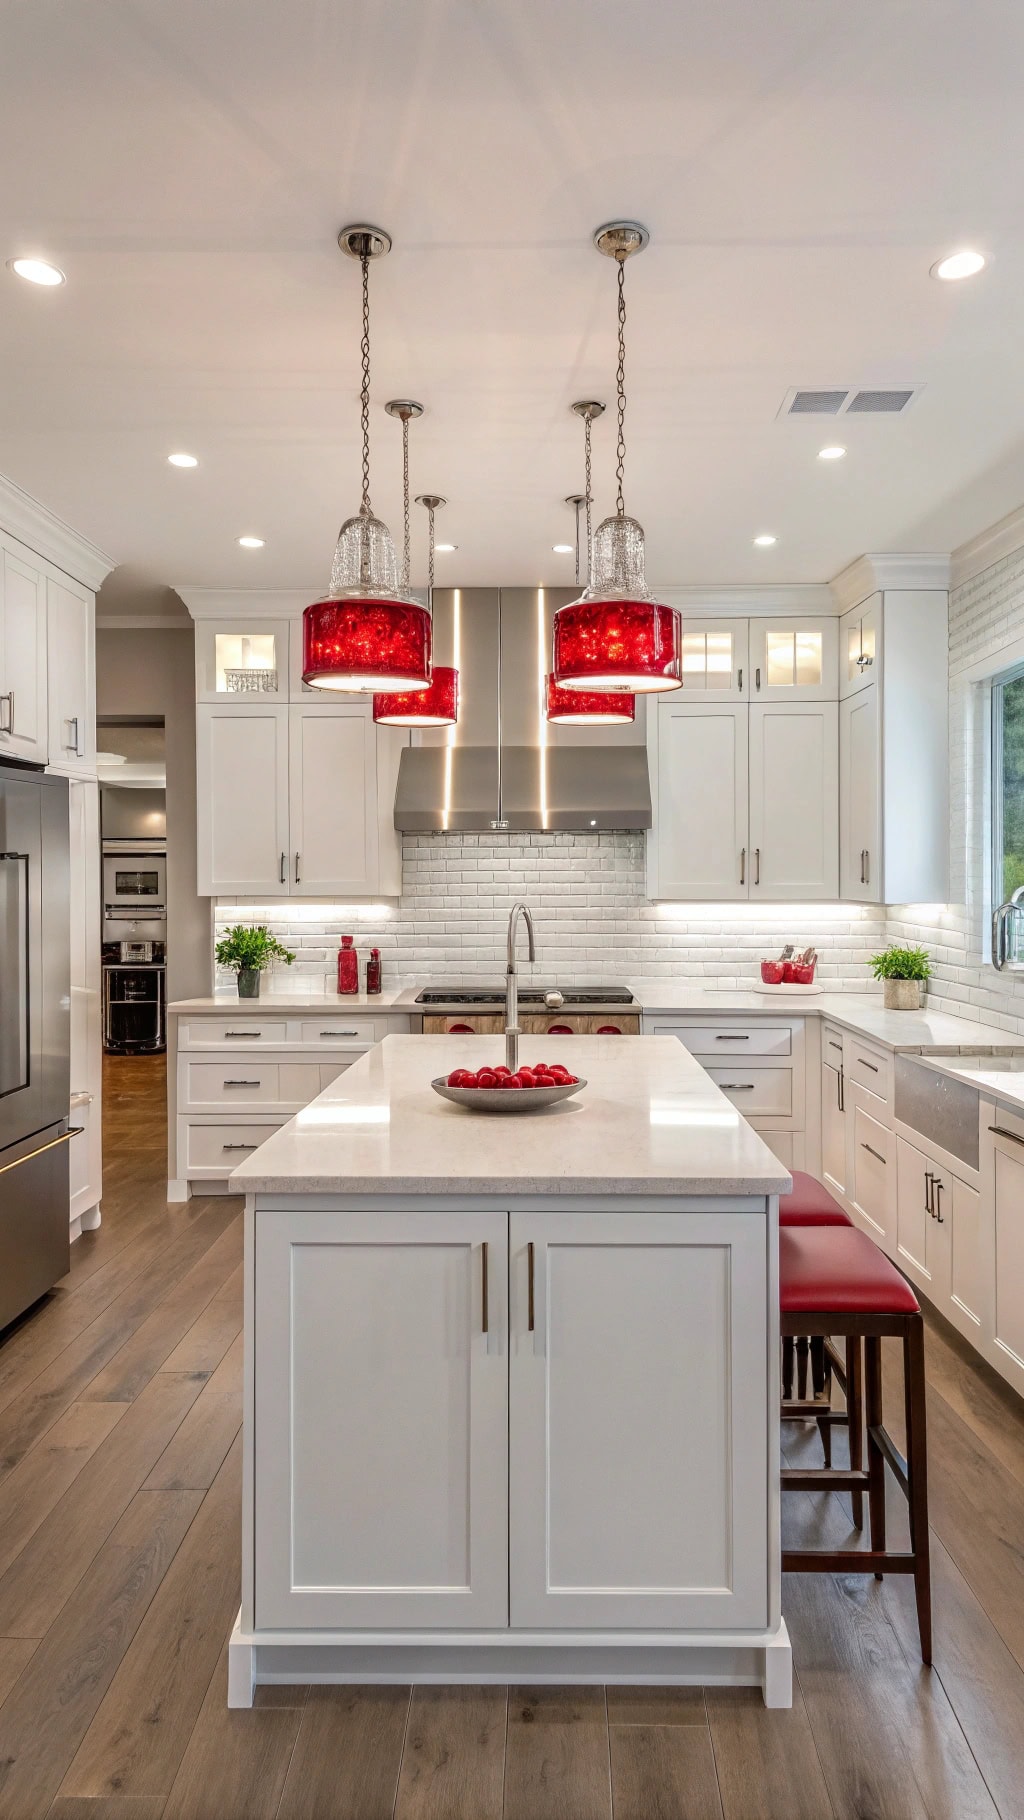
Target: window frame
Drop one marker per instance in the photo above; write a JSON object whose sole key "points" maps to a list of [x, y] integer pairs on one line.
{"points": [[996, 798]]}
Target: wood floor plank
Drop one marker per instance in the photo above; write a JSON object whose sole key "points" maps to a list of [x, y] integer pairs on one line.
{"points": [[227, 1379], [235, 1764], [208, 1339], [454, 1758], [660, 1772], [45, 1717], [766, 1761], [111, 1809], [557, 1757], [150, 1345], [139, 1733], [37, 1483], [656, 1706], [48, 1568], [347, 1755], [975, 1393], [196, 1451], [14, 1653]]}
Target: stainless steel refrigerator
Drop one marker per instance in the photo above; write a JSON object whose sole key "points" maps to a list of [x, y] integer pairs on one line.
{"points": [[35, 1023]]}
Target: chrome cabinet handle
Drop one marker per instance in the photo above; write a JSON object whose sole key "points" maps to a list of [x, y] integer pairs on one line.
{"points": [[732, 1039], [737, 1086], [530, 1299], [757, 678], [841, 1079], [284, 863], [877, 1154], [242, 1083], [739, 679], [861, 1063], [8, 725], [1001, 1131], [862, 865], [757, 865], [833, 1044], [238, 1146], [339, 1033], [485, 1299], [72, 745], [929, 1180], [743, 865], [254, 1034], [298, 880], [938, 1201]]}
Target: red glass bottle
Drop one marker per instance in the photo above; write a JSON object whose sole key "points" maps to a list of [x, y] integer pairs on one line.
{"points": [[348, 966], [373, 972]]}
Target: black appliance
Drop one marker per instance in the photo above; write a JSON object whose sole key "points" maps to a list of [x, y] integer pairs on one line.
{"points": [[134, 976], [35, 1032]]}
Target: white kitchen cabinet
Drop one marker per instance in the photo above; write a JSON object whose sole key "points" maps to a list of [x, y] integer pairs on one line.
{"points": [[793, 659], [965, 1298], [860, 806], [715, 659], [833, 1125], [793, 835], [698, 846], [242, 823], [609, 1527], [860, 647], [871, 1168], [333, 801], [85, 1158], [1005, 1272], [23, 728], [924, 1214], [239, 662], [71, 677], [396, 1375]]}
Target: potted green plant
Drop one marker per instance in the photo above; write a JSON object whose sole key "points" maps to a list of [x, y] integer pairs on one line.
{"points": [[248, 948], [904, 973]]}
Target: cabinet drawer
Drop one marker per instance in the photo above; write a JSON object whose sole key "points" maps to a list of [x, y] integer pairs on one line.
{"points": [[247, 1084], [214, 1150], [726, 1039], [869, 1068], [217, 1032], [334, 1028], [756, 1090], [873, 1169], [832, 1045]]}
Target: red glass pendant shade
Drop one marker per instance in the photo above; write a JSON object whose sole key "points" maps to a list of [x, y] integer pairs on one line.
{"points": [[588, 707], [364, 644], [436, 706], [612, 645]]}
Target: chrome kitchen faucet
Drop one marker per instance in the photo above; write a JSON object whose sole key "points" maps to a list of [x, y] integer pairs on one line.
{"points": [[512, 983]]}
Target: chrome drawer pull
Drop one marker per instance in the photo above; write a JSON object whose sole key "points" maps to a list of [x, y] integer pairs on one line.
{"points": [[732, 1039], [255, 1034], [737, 1086], [1001, 1131], [339, 1033], [833, 1044], [877, 1154], [239, 1146], [861, 1063], [243, 1083], [484, 1296]]}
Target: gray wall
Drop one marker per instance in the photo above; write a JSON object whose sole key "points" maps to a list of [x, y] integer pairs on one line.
{"points": [[153, 672]]}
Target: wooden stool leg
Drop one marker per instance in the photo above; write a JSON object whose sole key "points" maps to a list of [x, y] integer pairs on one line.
{"points": [[787, 1369], [819, 1369], [917, 1472], [802, 1349], [876, 1461], [855, 1422]]}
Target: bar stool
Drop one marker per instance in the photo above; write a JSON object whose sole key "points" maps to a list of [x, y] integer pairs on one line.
{"points": [[810, 1204], [836, 1281]]}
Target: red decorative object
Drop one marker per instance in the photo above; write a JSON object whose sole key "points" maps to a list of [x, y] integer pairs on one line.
{"points": [[773, 972], [362, 644], [373, 972], [583, 708], [612, 645], [435, 706], [348, 967]]}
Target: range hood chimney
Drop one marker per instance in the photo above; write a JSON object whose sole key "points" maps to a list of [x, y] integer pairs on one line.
{"points": [[507, 768]]}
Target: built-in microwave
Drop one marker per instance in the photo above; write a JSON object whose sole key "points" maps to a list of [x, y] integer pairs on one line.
{"points": [[135, 884]]}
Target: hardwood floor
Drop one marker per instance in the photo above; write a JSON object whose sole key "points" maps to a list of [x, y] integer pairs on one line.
{"points": [[119, 1564]]}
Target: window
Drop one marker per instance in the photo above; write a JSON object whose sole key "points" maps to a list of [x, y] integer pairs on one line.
{"points": [[1008, 785]]}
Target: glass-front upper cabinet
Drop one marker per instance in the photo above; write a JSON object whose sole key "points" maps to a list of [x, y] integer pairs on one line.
{"points": [[715, 661], [239, 660], [860, 646], [794, 659]]}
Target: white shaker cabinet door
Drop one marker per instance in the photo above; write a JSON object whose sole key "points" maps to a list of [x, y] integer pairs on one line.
{"points": [[242, 801], [833, 1126], [638, 1437], [793, 659], [698, 845], [1005, 1269], [381, 1454], [794, 801], [333, 795], [70, 644], [23, 730], [860, 799]]}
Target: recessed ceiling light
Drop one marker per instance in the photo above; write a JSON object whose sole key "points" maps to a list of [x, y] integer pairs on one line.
{"points": [[959, 265], [181, 460], [251, 543], [563, 549], [445, 549], [833, 451], [764, 539], [37, 271]]}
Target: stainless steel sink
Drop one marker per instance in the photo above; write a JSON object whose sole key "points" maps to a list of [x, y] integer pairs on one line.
{"points": [[940, 1108]]}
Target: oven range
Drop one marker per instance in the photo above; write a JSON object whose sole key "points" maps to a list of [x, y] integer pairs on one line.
{"points": [[543, 1011]]}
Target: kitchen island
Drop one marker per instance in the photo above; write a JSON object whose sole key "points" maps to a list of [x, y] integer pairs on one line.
{"points": [[511, 1382]]}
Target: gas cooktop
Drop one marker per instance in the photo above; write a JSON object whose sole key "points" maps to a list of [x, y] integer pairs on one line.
{"points": [[530, 995]]}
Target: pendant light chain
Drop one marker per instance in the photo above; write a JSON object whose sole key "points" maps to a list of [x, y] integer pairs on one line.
{"points": [[364, 397], [588, 489], [430, 558], [405, 499], [620, 382], [577, 506]]}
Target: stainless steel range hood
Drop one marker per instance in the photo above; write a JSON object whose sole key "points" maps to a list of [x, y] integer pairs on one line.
{"points": [[506, 767]]}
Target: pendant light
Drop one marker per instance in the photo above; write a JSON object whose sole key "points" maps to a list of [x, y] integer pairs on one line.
{"points": [[368, 631], [616, 636], [437, 705], [586, 707]]}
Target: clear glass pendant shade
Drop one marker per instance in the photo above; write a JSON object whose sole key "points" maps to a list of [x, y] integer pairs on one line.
{"points": [[365, 562], [617, 561]]}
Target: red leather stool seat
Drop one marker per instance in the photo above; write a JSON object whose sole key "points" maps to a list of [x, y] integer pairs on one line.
{"points": [[809, 1204], [839, 1270]]}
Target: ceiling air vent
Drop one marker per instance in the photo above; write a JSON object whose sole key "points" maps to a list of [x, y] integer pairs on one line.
{"points": [[848, 401]]}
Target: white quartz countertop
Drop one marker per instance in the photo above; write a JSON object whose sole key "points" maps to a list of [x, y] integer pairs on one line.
{"points": [[995, 1080], [649, 1121], [911, 1032], [384, 1003]]}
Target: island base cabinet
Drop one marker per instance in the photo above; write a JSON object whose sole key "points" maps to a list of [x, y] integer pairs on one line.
{"points": [[637, 1438], [380, 1471]]}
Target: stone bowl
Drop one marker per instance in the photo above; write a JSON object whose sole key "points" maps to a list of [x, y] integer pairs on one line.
{"points": [[504, 1099]]}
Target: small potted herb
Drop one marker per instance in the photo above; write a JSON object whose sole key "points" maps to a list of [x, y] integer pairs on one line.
{"points": [[248, 949], [904, 973]]}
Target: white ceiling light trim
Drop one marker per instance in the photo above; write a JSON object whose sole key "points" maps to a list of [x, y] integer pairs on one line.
{"points": [[37, 271], [765, 539], [252, 543], [833, 451], [181, 459], [965, 264]]}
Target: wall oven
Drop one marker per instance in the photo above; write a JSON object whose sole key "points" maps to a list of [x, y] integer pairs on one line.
{"points": [[135, 885]]}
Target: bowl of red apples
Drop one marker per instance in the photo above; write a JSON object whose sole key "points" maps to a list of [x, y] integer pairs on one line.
{"points": [[500, 1090]]}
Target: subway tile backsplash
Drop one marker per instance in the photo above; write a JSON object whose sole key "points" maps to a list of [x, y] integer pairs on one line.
{"points": [[592, 917]]}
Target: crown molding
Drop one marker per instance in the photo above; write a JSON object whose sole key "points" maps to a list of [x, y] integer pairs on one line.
{"points": [[990, 546], [250, 603], [748, 600], [874, 574], [49, 537]]}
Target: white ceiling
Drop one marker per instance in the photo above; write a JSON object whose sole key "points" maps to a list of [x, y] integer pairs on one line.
{"points": [[800, 166]]}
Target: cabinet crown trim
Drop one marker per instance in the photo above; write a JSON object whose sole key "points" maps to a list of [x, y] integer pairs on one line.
{"points": [[46, 535], [873, 574]]}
